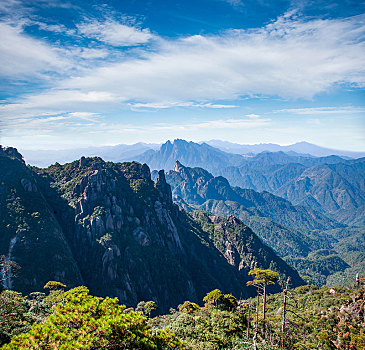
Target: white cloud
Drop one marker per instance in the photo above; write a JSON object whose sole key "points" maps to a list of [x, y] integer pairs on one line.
{"points": [[289, 58], [87, 53], [323, 110], [58, 99], [84, 115], [115, 33], [56, 28], [23, 55], [165, 105], [218, 124]]}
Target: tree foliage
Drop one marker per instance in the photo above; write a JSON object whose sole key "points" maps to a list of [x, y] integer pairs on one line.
{"points": [[317, 318], [189, 307], [8, 269], [264, 277], [87, 322], [213, 298], [149, 307], [13, 319], [54, 285]]}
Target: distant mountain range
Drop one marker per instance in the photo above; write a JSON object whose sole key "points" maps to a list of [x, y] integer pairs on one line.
{"points": [[93, 222], [190, 153], [306, 208], [118, 153], [331, 185], [122, 152], [279, 223], [303, 148]]}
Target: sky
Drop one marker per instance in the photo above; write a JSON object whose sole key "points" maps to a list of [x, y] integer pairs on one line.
{"points": [[89, 73]]}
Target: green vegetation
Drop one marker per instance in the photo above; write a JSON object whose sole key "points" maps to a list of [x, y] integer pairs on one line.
{"points": [[314, 318], [320, 249], [262, 279], [82, 321], [18, 313], [107, 225], [319, 317]]}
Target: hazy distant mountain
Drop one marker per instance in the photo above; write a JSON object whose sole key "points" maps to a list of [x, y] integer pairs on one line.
{"points": [[214, 160], [304, 148], [330, 184], [193, 154], [337, 189], [118, 153], [189, 153]]}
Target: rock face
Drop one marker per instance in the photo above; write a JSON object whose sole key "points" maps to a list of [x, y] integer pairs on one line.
{"points": [[240, 246], [29, 231], [124, 237]]}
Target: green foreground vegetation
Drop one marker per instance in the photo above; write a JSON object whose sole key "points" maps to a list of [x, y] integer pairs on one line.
{"points": [[307, 317]]}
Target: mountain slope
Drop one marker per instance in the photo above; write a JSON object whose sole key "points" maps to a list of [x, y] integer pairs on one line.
{"points": [[29, 231], [127, 239], [277, 221], [337, 189], [295, 232]]}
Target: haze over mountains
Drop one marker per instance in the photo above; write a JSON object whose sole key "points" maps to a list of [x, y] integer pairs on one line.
{"points": [[302, 147], [118, 153], [331, 185], [123, 152]]}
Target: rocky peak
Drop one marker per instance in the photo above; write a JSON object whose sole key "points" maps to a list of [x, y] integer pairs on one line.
{"points": [[166, 147], [82, 162], [163, 187], [10, 152], [134, 170], [178, 167]]}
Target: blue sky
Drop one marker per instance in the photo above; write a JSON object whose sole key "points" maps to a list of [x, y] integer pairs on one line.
{"points": [[82, 73]]}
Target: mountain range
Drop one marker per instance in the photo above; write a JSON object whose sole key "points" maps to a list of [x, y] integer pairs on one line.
{"points": [[316, 245], [303, 148], [110, 227], [331, 185], [123, 152], [118, 153]]}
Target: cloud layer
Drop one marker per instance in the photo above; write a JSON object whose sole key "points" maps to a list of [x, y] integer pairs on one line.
{"points": [[290, 58], [108, 66], [115, 33]]}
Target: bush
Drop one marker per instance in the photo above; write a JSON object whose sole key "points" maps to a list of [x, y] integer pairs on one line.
{"points": [[82, 321]]}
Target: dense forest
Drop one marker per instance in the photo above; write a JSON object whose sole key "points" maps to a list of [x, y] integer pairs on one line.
{"points": [[307, 317]]}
